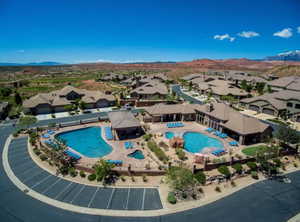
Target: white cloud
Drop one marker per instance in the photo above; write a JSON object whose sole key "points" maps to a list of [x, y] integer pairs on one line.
{"points": [[248, 34], [225, 36], [284, 33], [298, 29]]}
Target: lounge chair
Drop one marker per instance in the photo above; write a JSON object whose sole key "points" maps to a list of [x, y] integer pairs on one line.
{"points": [[108, 133], [115, 162], [233, 143], [50, 132], [72, 154], [209, 130], [46, 136]]}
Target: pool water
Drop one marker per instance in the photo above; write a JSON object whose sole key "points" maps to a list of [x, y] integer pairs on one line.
{"points": [[138, 154], [87, 141], [195, 142], [169, 135]]}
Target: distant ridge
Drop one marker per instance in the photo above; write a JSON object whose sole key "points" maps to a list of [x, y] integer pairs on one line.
{"points": [[32, 64]]}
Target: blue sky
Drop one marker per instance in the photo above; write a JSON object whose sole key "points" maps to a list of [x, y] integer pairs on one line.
{"points": [[135, 30]]}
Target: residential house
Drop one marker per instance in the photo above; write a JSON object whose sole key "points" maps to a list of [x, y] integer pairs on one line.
{"points": [[286, 83], [57, 101], [281, 103]]}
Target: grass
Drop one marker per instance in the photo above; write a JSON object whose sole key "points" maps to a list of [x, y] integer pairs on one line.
{"points": [[251, 151], [278, 121]]}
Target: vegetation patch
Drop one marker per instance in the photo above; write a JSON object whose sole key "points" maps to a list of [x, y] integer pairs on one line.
{"points": [[157, 151], [252, 151]]}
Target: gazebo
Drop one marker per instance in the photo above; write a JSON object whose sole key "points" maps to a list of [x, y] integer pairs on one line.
{"points": [[124, 125]]}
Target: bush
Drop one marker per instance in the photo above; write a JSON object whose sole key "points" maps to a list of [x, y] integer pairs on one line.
{"points": [[233, 184], [238, 168], [157, 151], [123, 178], [82, 174], [147, 137], [145, 179], [224, 170], [254, 175], [37, 151], [295, 165], [200, 189], [132, 179], [92, 177], [171, 198], [181, 154], [147, 166], [73, 172], [200, 177], [43, 157], [218, 189], [252, 166]]}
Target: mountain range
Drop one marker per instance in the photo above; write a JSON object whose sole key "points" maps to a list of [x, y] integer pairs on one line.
{"points": [[31, 64], [285, 56]]}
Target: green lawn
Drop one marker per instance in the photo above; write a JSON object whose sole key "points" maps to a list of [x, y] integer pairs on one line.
{"points": [[251, 151]]}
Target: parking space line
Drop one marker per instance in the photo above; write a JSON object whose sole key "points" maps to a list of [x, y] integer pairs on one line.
{"points": [[93, 197], [52, 185], [22, 164], [75, 196], [28, 170], [111, 196], [126, 207], [63, 190], [38, 183], [143, 202], [29, 178]]}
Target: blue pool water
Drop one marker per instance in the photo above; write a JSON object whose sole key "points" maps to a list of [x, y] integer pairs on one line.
{"points": [[138, 154], [169, 135], [87, 141], [194, 142]]}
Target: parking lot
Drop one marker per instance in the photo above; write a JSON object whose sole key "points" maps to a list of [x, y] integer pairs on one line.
{"points": [[74, 193]]}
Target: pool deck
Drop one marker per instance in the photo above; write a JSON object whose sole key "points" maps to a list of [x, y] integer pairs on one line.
{"points": [[159, 129], [119, 152]]}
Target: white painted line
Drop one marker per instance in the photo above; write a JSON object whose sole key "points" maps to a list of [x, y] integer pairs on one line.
{"points": [[63, 190], [75, 196], [126, 207], [29, 178], [111, 196], [93, 197], [38, 183], [48, 188], [143, 202], [28, 170]]}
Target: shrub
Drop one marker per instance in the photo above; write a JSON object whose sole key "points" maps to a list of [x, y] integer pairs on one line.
{"points": [[37, 151], [184, 195], [132, 179], [147, 166], [238, 168], [123, 178], [72, 172], [252, 166], [200, 177], [92, 177], [82, 174], [164, 145], [224, 170], [157, 151], [238, 156], [233, 184], [145, 179], [147, 137], [254, 175], [194, 196], [295, 165], [200, 189], [181, 154], [43, 157], [171, 198], [218, 189]]}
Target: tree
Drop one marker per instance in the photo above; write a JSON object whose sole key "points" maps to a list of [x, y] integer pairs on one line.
{"points": [[18, 98], [259, 87], [103, 171], [180, 178], [238, 168], [200, 177], [5, 92], [26, 121], [224, 170], [287, 135], [82, 105]]}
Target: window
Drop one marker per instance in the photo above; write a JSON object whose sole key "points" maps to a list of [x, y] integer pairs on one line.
{"points": [[297, 106], [290, 104]]}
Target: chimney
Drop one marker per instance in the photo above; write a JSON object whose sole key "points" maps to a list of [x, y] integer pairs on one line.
{"points": [[209, 107]]}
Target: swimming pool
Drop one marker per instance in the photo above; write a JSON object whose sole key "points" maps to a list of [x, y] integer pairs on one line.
{"points": [[138, 154], [169, 135], [195, 142], [87, 141]]}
